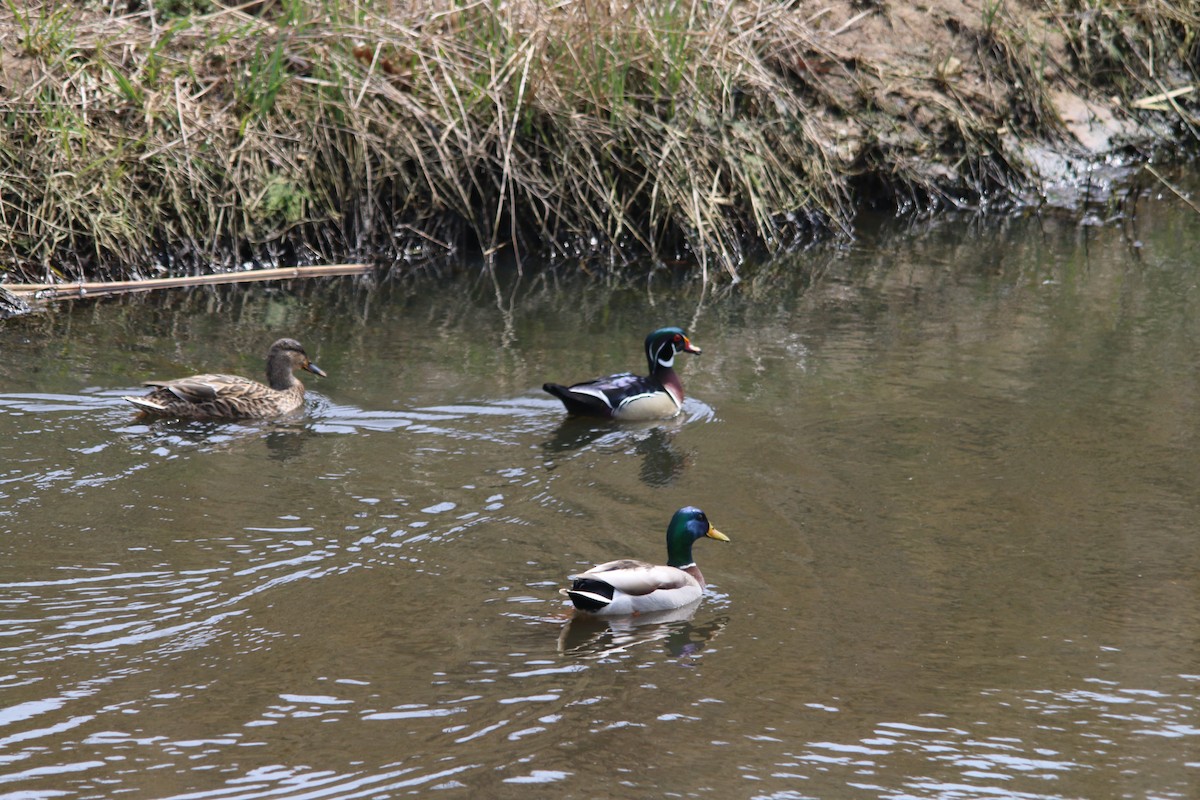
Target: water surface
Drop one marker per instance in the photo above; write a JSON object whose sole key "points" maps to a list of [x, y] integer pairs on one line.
{"points": [[956, 465]]}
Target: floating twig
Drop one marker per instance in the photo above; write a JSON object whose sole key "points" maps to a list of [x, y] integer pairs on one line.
{"points": [[60, 291]]}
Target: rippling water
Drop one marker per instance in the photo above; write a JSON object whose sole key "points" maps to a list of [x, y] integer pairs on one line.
{"points": [[956, 465]]}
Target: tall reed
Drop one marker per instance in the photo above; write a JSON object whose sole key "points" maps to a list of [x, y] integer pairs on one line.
{"points": [[294, 131]]}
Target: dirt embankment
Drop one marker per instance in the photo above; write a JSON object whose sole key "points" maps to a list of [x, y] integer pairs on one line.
{"points": [[952, 98], [187, 136]]}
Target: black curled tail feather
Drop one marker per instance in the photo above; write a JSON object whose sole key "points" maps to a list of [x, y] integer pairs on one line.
{"points": [[590, 595], [581, 404]]}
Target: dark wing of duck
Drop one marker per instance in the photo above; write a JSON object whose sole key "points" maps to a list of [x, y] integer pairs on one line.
{"points": [[203, 396], [196, 389], [602, 397]]}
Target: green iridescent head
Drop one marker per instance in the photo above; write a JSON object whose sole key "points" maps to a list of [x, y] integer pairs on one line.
{"points": [[688, 525]]}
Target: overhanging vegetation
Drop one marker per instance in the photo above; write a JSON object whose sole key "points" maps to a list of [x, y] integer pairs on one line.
{"points": [[182, 136]]}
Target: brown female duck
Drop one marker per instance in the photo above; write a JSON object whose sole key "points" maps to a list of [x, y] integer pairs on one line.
{"points": [[231, 396]]}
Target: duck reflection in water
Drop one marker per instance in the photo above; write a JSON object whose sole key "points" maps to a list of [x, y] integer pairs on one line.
{"points": [[662, 462], [286, 441], [588, 636]]}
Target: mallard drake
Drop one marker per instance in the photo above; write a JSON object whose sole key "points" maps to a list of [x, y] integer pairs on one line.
{"points": [[231, 396], [626, 396], [627, 586]]}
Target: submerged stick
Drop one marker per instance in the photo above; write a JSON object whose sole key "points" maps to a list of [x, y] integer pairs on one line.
{"points": [[1177, 193], [60, 291]]}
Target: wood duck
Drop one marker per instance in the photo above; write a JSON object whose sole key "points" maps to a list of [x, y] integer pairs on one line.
{"points": [[231, 396], [626, 396], [627, 586]]}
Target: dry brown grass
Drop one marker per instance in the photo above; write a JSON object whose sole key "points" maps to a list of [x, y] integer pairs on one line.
{"points": [[138, 144]]}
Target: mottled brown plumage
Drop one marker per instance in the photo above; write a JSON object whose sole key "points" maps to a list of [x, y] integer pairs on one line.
{"points": [[232, 396]]}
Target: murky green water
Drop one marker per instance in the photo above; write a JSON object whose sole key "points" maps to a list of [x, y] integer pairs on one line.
{"points": [[958, 467]]}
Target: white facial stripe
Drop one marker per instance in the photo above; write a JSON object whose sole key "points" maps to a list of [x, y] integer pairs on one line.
{"points": [[658, 358]]}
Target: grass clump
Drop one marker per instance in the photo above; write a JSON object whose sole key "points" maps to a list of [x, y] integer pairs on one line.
{"points": [[189, 136]]}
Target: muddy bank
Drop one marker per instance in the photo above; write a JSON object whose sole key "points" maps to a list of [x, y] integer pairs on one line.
{"points": [[185, 137]]}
